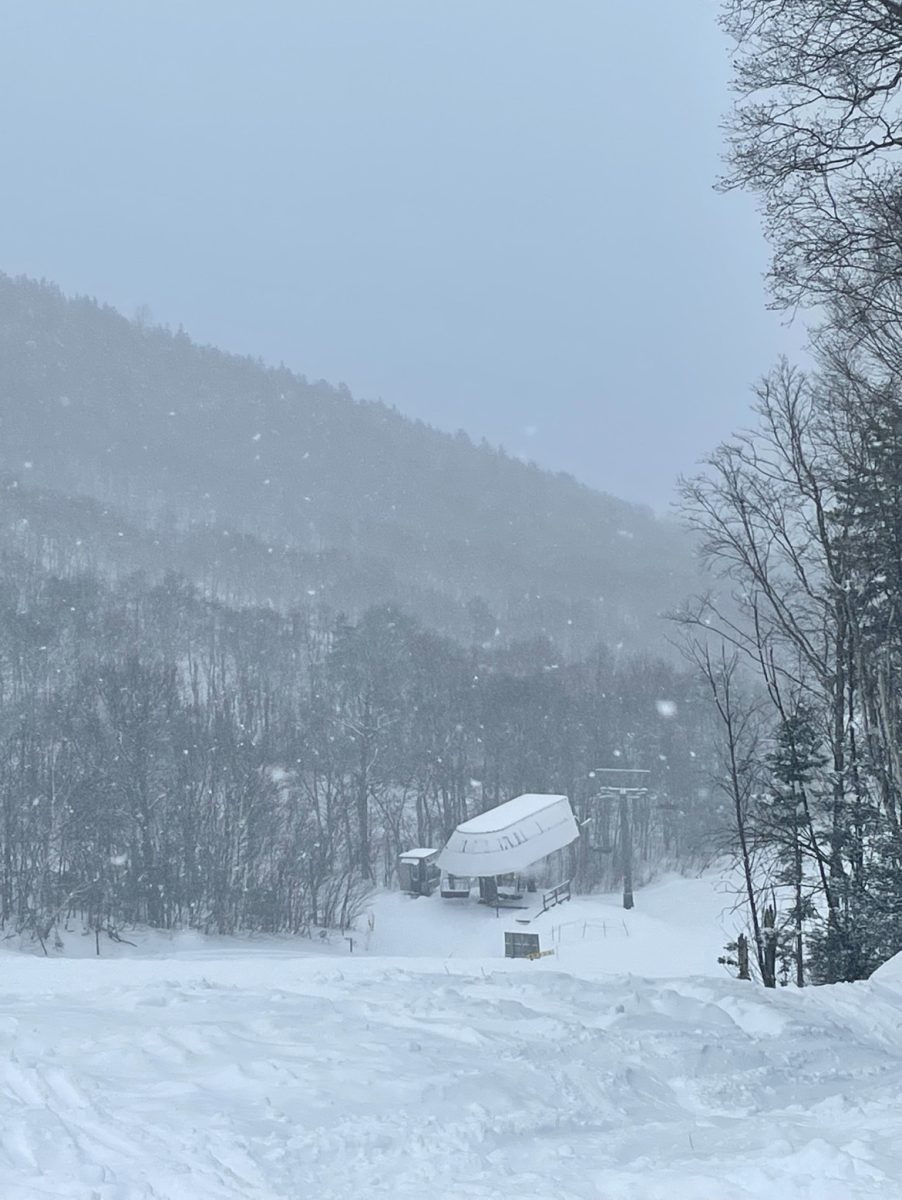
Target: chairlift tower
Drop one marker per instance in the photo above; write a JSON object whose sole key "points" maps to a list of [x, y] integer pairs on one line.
{"points": [[624, 784]]}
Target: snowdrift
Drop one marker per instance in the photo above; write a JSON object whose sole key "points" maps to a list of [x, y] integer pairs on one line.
{"points": [[229, 1070]]}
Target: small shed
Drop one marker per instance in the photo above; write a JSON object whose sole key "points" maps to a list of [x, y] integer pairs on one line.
{"points": [[418, 871], [508, 839]]}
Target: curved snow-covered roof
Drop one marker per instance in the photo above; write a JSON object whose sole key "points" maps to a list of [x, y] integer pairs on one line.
{"points": [[510, 837]]}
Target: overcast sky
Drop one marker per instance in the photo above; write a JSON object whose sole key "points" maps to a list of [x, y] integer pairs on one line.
{"points": [[496, 215]]}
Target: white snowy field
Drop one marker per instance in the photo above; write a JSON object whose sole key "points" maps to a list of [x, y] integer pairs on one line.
{"points": [[627, 1066]]}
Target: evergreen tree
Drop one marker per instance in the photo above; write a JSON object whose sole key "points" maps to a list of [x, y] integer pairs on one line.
{"points": [[787, 820]]}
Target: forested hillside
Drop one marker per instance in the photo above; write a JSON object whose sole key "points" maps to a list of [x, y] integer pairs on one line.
{"points": [[266, 488], [257, 638], [169, 760]]}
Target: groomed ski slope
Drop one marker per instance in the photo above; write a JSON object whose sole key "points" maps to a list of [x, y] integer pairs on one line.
{"points": [[218, 1070]]}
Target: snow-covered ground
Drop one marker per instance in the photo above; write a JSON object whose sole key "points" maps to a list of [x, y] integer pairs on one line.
{"points": [[626, 1065]]}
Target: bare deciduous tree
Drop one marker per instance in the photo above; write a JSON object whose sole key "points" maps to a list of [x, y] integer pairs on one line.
{"points": [[815, 131]]}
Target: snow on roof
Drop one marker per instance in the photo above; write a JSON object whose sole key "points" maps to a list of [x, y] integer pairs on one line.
{"points": [[419, 852], [510, 837], [496, 820]]}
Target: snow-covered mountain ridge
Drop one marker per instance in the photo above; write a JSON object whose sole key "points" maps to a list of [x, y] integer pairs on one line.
{"points": [[267, 488]]}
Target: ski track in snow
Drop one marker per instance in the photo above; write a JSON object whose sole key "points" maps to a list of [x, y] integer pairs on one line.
{"points": [[261, 1075]]}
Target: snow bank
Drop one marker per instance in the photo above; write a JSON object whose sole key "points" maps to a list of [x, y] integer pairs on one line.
{"points": [[265, 1079], [227, 1070]]}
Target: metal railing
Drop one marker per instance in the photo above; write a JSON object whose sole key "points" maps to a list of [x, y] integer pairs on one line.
{"points": [[557, 895]]}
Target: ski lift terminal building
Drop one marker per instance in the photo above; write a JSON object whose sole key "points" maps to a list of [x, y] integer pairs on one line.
{"points": [[510, 838]]}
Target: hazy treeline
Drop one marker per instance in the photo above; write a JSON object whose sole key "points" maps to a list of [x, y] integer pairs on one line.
{"points": [[165, 759]]}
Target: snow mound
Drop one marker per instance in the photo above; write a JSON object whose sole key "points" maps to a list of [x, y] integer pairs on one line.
{"points": [[268, 1078], [187, 1068]]}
